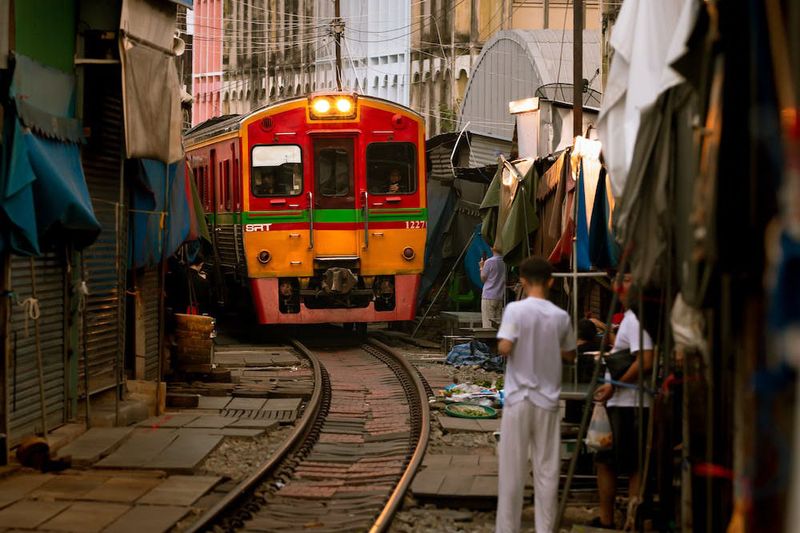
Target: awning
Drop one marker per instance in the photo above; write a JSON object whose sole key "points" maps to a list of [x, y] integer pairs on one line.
{"points": [[160, 213], [151, 90], [43, 193]]}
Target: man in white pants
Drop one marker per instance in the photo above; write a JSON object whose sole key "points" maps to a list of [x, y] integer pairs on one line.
{"points": [[534, 336]]}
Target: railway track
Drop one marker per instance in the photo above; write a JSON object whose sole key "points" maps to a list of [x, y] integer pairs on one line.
{"points": [[352, 456]]}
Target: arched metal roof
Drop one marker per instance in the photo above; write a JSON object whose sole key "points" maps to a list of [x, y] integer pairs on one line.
{"points": [[513, 65]]}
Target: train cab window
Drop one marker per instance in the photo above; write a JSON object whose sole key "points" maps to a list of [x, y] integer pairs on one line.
{"points": [[276, 170], [333, 161], [391, 168]]}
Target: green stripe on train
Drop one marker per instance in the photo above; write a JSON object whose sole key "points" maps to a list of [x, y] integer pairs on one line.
{"points": [[320, 215]]}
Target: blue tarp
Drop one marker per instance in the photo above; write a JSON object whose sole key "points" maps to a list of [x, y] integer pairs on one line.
{"points": [[43, 193], [441, 204], [148, 213], [477, 249]]}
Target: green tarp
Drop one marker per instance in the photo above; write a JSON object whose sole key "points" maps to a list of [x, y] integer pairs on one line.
{"points": [[509, 211]]}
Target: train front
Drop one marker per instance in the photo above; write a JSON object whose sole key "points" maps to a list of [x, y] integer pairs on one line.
{"points": [[335, 215]]}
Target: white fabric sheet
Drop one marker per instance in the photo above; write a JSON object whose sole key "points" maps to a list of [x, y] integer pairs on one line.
{"points": [[647, 38]]}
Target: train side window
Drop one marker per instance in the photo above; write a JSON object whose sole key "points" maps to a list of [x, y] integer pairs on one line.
{"points": [[276, 170], [391, 168], [333, 160]]}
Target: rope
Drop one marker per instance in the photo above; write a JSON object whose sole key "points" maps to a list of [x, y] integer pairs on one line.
{"points": [[30, 306]]}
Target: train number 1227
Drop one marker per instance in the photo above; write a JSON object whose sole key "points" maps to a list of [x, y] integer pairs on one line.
{"points": [[416, 224]]}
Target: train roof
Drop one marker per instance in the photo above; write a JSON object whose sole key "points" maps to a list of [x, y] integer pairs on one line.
{"points": [[229, 123]]}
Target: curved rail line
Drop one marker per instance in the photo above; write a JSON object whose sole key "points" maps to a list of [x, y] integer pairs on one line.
{"points": [[350, 459]]}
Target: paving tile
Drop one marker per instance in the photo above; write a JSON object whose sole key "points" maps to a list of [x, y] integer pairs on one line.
{"points": [[246, 404], [247, 423], [282, 404], [180, 490], [168, 420], [121, 489], [94, 445], [483, 487], [455, 484], [185, 452], [437, 461], [29, 514], [458, 461], [427, 482], [147, 518], [140, 449], [213, 402], [16, 487], [86, 517], [215, 422], [68, 487]]}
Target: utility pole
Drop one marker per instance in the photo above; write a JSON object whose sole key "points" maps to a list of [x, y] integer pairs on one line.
{"points": [[577, 70], [338, 29]]}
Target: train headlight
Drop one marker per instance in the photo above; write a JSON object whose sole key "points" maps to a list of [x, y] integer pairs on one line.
{"points": [[334, 106], [344, 105], [321, 105], [408, 253], [264, 256]]}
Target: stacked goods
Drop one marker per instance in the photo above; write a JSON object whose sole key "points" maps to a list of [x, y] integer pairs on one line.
{"points": [[194, 339]]}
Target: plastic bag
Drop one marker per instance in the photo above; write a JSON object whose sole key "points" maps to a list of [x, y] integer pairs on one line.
{"points": [[599, 437]]}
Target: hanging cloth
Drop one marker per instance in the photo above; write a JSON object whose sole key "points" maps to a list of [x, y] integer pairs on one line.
{"points": [[582, 228], [603, 250]]}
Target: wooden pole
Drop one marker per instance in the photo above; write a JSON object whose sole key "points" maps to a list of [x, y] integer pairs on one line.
{"points": [[577, 68]]}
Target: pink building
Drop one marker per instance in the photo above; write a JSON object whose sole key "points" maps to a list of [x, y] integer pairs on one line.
{"points": [[207, 60]]}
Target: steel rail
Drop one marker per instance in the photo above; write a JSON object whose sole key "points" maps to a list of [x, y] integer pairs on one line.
{"points": [[384, 520], [301, 430]]}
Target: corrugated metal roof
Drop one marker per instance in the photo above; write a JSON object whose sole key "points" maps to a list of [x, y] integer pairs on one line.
{"points": [[513, 65]]}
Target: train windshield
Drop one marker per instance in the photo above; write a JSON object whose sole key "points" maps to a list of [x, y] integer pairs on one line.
{"points": [[276, 171], [334, 167], [391, 168]]}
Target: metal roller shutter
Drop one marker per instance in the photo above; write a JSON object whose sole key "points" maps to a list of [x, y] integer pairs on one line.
{"points": [[23, 374], [151, 294], [104, 261]]}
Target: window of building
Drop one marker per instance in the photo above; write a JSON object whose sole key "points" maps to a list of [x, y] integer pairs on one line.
{"points": [[391, 168], [333, 160], [276, 170]]}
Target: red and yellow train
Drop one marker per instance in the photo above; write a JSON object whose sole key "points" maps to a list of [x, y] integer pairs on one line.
{"points": [[317, 205]]}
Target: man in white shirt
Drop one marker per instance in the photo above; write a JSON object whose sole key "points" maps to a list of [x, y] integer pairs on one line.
{"points": [[534, 336], [622, 406]]}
